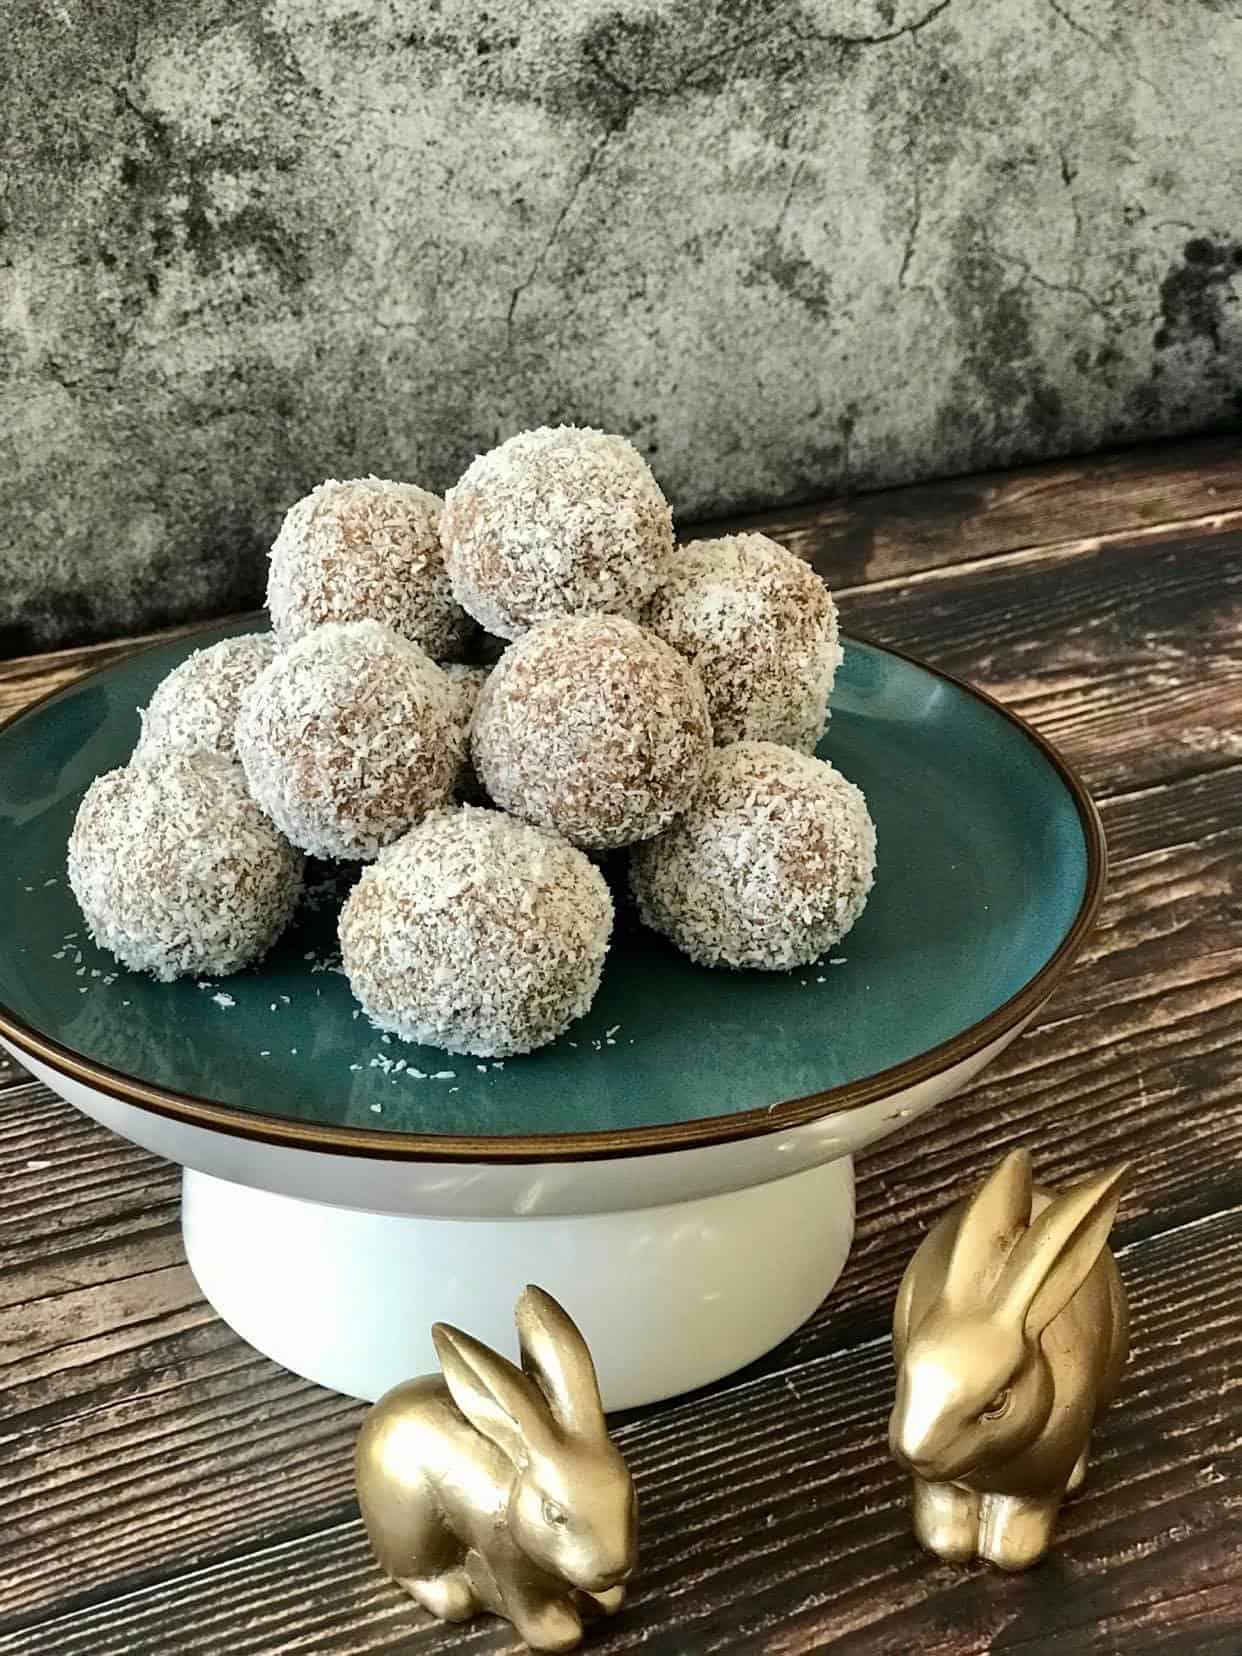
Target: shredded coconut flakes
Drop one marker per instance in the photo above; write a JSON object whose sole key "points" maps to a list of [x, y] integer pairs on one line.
{"points": [[595, 728], [558, 521], [365, 550], [477, 933], [176, 869], [772, 864], [197, 705], [761, 628], [348, 738]]}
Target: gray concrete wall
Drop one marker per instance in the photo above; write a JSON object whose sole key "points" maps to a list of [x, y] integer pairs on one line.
{"points": [[791, 246]]}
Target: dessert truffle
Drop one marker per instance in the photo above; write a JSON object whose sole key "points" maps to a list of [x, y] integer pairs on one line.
{"points": [[761, 628], [466, 684], [594, 727], [558, 521], [770, 866], [365, 550], [348, 738], [176, 869], [196, 706], [477, 933]]}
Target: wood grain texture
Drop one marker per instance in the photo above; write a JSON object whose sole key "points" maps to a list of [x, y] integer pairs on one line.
{"points": [[773, 1519], [24, 679], [1128, 658], [1070, 506], [114, 1363], [1069, 503], [164, 1489]]}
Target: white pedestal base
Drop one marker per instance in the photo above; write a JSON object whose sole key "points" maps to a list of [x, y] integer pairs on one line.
{"points": [[669, 1298]]}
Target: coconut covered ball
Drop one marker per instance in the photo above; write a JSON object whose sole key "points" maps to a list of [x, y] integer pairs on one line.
{"points": [[594, 727], [477, 933], [761, 628], [559, 521], [197, 705], [176, 869], [348, 738], [770, 866], [465, 685], [365, 550]]}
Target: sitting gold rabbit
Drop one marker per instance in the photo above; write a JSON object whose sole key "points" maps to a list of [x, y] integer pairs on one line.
{"points": [[498, 1489], [1010, 1334]]}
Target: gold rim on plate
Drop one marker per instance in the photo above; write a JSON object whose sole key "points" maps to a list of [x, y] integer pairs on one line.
{"points": [[616, 1142]]}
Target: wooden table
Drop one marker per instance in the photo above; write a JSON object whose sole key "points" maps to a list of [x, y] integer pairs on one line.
{"points": [[166, 1490]]}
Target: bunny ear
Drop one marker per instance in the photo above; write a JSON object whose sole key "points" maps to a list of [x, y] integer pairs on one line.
{"points": [[1054, 1258], [495, 1397], [554, 1352], [995, 1214]]}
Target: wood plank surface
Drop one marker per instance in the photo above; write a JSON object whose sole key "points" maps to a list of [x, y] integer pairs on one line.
{"points": [[773, 1519], [1129, 658], [1068, 507], [1079, 504], [165, 1489], [24, 679], [1141, 1027]]}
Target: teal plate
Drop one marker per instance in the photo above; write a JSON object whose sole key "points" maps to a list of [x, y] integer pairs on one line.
{"points": [[990, 869]]}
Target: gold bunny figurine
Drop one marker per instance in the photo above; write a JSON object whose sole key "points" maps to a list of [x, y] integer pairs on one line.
{"points": [[1009, 1334], [498, 1489]]}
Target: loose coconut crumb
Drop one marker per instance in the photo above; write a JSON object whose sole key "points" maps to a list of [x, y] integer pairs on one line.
{"points": [[478, 934], [761, 628], [365, 550], [197, 705], [595, 728], [563, 520], [348, 738], [177, 870], [770, 866]]}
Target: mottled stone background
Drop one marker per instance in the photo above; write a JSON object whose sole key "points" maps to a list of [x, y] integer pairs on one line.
{"points": [[791, 246]]}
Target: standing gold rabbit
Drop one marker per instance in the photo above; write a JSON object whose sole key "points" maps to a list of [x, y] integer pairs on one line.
{"points": [[498, 1489], [1010, 1334]]}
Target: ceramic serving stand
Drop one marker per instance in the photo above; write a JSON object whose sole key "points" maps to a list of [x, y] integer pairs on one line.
{"points": [[677, 1169]]}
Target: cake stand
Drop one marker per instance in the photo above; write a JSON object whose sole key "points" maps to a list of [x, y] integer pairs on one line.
{"points": [[677, 1169]]}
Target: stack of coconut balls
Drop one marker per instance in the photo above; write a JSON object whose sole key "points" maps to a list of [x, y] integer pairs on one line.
{"points": [[657, 698]]}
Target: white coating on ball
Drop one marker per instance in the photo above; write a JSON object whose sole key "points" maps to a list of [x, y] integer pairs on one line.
{"points": [[197, 705], [348, 738], [770, 866], [465, 685], [594, 727], [477, 933], [761, 628], [176, 869], [563, 520], [366, 549]]}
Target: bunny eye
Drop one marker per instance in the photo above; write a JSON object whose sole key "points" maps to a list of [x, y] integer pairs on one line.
{"points": [[552, 1514], [997, 1407]]}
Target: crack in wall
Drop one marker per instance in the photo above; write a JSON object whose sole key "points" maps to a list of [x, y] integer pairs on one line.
{"points": [[911, 232], [1101, 44], [1053, 287], [584, 173], [915, 28], [1068, 174], [634, 91], [779, 226]]}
